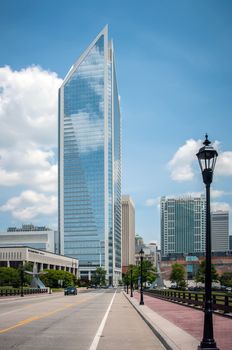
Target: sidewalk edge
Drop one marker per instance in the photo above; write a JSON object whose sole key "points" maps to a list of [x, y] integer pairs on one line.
{"points": [[167, 342]]}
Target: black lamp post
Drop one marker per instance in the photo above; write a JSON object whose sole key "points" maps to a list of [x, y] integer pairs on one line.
{"points": [[207, 156], [131, 283], [21, 280], [141, 253]]}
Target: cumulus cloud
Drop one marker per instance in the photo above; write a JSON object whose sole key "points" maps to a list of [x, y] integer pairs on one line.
{"points": [[215, 206], [224, 164], [28, 106], [150, 202], [28, 139], [217, 193], [181, 163], [29, 205]]}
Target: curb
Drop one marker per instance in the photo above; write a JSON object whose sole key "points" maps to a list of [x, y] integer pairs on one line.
{"points": [[188, 342]]}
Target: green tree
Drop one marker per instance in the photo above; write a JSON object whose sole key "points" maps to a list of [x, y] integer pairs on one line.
{"points": [[226, 279], [99, 277], [178, 275], [9, 277], [26, 278], [148, 270], [200, 275], [51, 278]]}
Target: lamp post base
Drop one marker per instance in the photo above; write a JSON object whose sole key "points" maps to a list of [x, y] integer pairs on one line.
{"points": [[141, 303], [212, 346]]}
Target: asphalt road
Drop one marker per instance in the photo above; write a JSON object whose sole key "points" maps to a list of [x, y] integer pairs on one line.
{"points": [[95, 319], [52, 321]]}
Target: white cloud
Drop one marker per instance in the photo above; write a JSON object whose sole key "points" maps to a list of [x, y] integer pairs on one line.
{"points": [[28, 139], [181, 163], [224, 164], [217, 193], [28, 106], [29, 205], [220, 206], [30, 166], [151, 202]]}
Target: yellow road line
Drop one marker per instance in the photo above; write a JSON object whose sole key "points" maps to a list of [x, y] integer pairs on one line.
{"points": [[43, 315]]}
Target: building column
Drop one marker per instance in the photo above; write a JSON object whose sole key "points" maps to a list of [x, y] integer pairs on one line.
{"points": [[8, 263], [89, 275]]}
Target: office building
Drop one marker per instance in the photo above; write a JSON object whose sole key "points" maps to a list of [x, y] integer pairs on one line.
{"points": [[14, 256], [128, 231], [90, 161], [150, 253], [220, 231], [182, 225], [38, 237]]}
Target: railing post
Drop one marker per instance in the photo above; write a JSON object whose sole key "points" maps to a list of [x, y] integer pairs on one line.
{"points": [[226, 304]]}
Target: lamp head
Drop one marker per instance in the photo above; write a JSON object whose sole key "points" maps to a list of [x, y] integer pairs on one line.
{"points": [[207, 157], [141, 253]]}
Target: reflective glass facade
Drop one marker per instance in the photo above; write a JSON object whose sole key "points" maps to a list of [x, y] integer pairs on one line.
{"points": [[182, 225], [90, 160]]}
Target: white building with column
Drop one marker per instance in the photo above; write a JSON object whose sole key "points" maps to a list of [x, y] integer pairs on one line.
{"points": [[14, 256]]}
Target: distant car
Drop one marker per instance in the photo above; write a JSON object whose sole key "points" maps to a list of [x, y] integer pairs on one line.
{"points": [[70, 290]]}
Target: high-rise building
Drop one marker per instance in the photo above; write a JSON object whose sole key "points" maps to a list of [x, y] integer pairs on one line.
{"points": [[220, 231], [128, 231], [90, 161], [182, 225]]}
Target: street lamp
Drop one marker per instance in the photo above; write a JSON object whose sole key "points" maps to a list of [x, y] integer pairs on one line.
{"points": [[21, 280], [207, 156], [141, 254], [131, 284]]}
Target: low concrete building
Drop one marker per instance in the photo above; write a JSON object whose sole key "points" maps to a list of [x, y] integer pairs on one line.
{"points": [[37, 237], [13, 256]]}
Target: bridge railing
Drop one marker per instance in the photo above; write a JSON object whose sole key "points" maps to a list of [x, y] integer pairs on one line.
{"points": [[17, 291], [222, 302]]}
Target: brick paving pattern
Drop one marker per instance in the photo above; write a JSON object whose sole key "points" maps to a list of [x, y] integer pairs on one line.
{"points": [[191, 320]]}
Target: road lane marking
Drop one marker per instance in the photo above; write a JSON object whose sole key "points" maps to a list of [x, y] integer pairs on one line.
{"points": [[35, 318], [101, 327], [43, 315]]}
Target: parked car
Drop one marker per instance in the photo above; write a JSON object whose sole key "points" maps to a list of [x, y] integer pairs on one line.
{"points": [[70, 290]]}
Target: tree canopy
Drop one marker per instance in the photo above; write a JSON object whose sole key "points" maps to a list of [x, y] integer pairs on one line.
{"points": [[134, 271], [226, 279], [200, 275], [99, 277], [9, 276], [53, 278], [178, 275]]}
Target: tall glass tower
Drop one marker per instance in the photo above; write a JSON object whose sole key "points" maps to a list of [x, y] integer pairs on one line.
{"points": [[90, 161], [182, 225]]}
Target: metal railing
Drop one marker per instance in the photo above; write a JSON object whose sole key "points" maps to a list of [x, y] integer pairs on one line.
{"points": [[221, 302], [17, 291]]}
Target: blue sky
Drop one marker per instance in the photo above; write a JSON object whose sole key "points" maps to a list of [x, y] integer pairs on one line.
{"points": [[175, 82]]}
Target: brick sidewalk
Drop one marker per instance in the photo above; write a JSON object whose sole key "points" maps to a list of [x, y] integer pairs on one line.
{"points": [[191, 320]]}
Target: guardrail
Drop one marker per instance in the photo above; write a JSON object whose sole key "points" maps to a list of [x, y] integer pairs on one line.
{"points": [[17, 291], [221, 302]]}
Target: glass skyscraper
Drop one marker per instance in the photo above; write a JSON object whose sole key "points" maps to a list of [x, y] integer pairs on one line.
{"points": [[182, 225], [90, 161]]}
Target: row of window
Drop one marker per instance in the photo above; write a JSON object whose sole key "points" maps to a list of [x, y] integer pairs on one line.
{"points": [[11, 255]]}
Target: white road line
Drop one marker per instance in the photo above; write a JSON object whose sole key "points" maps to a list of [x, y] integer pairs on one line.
{"points": [[101, 327]]}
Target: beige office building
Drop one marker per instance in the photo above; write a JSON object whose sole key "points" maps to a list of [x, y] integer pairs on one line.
{"points": [[220, 231], [128, 231]]}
